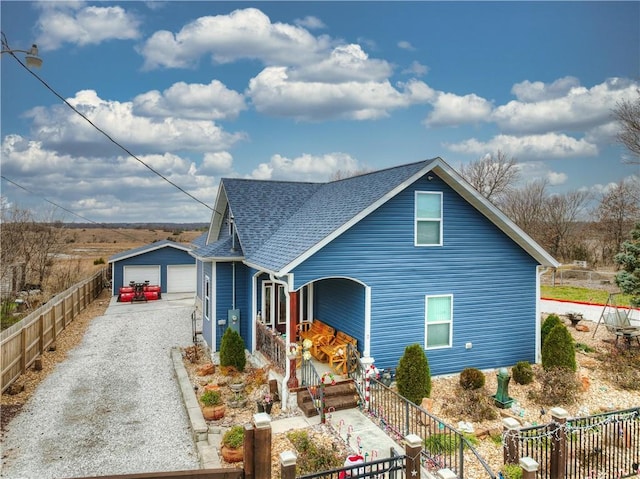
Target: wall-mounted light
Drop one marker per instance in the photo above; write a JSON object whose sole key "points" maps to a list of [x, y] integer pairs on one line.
{"points": [[429, 177]]}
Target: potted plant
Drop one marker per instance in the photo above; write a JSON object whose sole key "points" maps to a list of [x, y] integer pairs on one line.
{"points": [[232, 444], [212, 405], [265, 403]]}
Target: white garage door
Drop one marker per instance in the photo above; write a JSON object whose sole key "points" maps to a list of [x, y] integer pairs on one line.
{"points": [[140, 274], [181, 278]]}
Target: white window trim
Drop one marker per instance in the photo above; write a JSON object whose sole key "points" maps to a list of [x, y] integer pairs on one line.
{"points": [[207, 298], [450, 321], [267, 285], [416, 219]]}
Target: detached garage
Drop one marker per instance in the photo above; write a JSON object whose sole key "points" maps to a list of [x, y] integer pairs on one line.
{"points": [[164, 263]]}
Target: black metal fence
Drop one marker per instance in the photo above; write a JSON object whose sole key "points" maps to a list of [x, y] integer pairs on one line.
{"points": [[392, 467], [602, 446]]}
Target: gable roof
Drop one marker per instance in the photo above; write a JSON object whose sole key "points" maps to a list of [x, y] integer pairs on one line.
{"points": [[280, 224], [147, 248]]}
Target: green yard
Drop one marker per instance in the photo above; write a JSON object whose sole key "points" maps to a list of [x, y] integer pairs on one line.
{"points": [[574, 293]]}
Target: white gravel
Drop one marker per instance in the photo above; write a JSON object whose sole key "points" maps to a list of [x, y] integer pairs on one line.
{"points": [[113, 406]]}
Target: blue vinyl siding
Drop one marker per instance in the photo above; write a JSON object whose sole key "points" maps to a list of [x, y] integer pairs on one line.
{"points": [[491, 278], [224, 298], [340, 303], [200, 280], [162, 256]]}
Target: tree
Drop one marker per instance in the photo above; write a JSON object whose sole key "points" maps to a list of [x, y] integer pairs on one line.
{"points": [[232, 350], [618, 209], [627, 112], [560, 215], [525, 205], [493, 175], [413, 375], [628, 280]]}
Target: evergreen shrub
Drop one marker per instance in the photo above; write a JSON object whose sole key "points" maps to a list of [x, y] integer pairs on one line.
{"points": [[548, 324], [558, 350], [232, 350], [522, 372], [413, 376], [472, 378]]}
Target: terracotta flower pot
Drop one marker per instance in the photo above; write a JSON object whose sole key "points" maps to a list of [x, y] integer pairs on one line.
{"points": [[213, 413], [232, 455]]}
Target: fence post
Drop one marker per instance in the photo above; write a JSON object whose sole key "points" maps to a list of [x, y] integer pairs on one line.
{"points": [[288, 465], [511, 436], [529, 467], [262, 446], [248, 451], [413, 451], [558, 442]]}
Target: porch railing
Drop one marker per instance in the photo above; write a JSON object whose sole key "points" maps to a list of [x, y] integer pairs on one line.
{"points": [[272, 345], [311, 380]]}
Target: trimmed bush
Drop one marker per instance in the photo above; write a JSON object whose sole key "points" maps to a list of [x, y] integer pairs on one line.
{"points": [[211, 398], [548, 324], [413, 376], [232, 350], [472, 378], [558, 350], [522, 373]]}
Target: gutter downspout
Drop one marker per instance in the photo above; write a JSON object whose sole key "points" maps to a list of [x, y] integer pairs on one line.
{"points": [[287, 372], [540, 271]]}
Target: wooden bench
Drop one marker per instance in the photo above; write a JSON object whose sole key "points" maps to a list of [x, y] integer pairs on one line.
{"points": [[335, 352], [316, 331]]}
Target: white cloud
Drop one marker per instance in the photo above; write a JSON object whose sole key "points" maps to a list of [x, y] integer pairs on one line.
{"points": [[274, 93], [531, 147], [565, 107], [556, 178], [416, 69], [450, 109], [242, 34], [217, 163], [310, 22], [345, 63], [78, 24], [305, 167], [528, 92], [61, 129], [194, 101], [405, 45]]}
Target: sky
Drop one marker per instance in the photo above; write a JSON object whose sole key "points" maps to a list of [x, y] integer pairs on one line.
{"points": [[299, 91]]}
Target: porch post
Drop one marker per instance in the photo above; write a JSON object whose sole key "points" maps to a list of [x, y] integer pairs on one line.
{"points": [[293, 320]]}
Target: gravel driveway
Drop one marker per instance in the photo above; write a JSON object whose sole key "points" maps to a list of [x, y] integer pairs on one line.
{"points": [[113, 406]]}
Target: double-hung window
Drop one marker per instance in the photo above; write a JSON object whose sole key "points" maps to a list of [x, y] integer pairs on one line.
{"points": [[428, 219], [438, 321]]}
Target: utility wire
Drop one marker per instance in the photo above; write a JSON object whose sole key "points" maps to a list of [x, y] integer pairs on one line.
{"points": [[6, 44], [67, 210]]}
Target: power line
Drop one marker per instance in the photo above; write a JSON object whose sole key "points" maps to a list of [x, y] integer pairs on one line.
{"points": [[6, 44]]}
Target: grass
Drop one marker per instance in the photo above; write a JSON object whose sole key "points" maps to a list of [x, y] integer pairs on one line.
{"points": [[574, 293]]}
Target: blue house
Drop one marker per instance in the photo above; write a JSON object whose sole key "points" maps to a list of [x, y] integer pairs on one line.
{"points": [[165, 263], [410, 254]]}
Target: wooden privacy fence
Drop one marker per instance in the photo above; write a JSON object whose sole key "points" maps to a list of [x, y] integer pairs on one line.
{"points": [[26, 340]]}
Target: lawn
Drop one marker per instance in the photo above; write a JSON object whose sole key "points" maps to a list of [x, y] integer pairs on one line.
{"points": [[574, 293]]}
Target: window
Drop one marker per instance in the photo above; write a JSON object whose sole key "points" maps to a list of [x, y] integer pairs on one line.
{"points": [[207, 295], [274, 303], [438, 321], [428, 228]]}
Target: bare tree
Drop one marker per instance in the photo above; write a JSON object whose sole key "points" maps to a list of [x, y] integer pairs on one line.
{"points": [[561, 215], [342, 174], [525, 206], [493, 175], [627, 112], [618, 210]]}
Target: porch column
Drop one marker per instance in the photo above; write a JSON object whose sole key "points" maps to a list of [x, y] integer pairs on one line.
{"points": [[293, 319]]}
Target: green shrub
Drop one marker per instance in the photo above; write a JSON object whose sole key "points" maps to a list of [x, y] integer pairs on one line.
{"points": [[471, 378], [232, 350], [413, 376], [558, 350], [511, 471], [312, 455], [234, 437], [585, 348], [548, 324], [98, 261], [522, 373], [211, 398]]}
